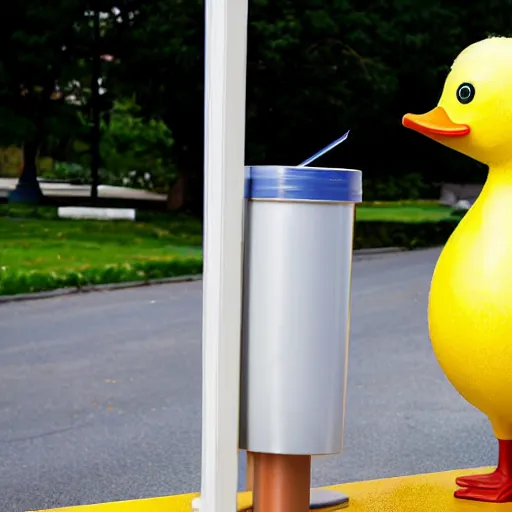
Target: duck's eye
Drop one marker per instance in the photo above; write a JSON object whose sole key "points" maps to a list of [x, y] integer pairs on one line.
{"points": [[465, 93]]}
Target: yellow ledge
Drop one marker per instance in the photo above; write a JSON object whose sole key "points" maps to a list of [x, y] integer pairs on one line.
{"points": [[420, 493]]}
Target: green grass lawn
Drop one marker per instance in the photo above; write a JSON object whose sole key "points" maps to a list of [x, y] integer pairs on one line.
{"points": [[39, 251], [50, 244]]}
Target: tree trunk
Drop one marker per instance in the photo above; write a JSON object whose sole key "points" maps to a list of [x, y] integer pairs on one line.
{"points": [[29, 170], [176, 197], [28, 189]]}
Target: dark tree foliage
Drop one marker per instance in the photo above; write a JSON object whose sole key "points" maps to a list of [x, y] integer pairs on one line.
{"points": [[46, 50], [315, 69]]}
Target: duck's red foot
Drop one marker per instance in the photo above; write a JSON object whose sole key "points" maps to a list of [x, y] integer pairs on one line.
{"points": [[501, 495], [494, 487], [494, 480]]}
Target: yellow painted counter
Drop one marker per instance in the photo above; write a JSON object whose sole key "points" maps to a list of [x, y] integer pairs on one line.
{"points": [[420, 493]]}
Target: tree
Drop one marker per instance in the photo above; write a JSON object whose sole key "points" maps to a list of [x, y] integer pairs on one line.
{"points": [[131, 145], [159, 58], [37, 67], [48, 60]]}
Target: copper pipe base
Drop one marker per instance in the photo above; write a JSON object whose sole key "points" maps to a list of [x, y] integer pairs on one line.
{"points": [[281, 482], [249, 473]]}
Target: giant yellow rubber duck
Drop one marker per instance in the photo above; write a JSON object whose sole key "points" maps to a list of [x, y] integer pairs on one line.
{"points": [[470, 304]]}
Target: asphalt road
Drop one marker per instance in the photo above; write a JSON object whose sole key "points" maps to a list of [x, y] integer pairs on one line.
{"points": [[100, 393]]}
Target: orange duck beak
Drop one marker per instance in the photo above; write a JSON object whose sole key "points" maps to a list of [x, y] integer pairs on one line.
{"points": [[435, 122]]}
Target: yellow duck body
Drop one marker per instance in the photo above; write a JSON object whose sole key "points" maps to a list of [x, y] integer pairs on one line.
{"points": [[470, 307], [470, 302]]}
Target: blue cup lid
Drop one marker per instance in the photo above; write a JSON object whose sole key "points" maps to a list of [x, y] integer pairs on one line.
{"points": [[273, 182]]}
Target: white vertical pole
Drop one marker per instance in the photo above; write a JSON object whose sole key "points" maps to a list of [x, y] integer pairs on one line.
{"points": [[226, 50]]}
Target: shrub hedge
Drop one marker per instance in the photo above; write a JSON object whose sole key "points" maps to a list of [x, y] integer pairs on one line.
{"points": [[410, 235]]}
